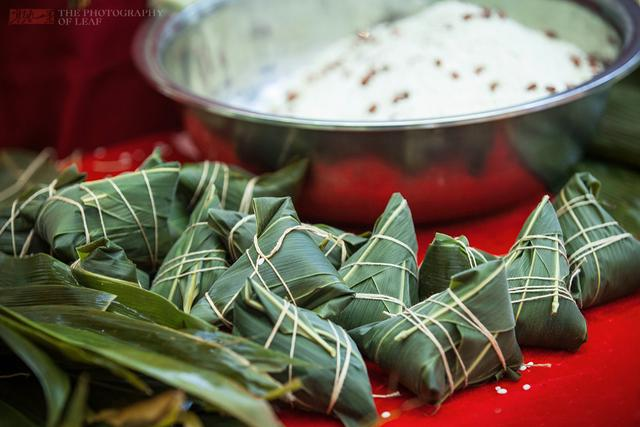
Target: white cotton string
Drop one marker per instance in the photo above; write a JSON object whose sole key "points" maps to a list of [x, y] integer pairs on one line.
{"points": [[592, 228], [381, 264], [275, 270], [201, 181], [155, 218], [593, 246], [135, 218], [386, 396], [98, 207], [27, 243], [170, 262], [225, 184], [578, 201], [294, 334], [247, 195], [13, 231], [276, 326], [568, 207], [230, 243], [216, 311], [481, 328], [30, 199], [443, 356], [341, 373], [87, 236], [190, 273], [379, 297], [397, 242], [26, 174]]}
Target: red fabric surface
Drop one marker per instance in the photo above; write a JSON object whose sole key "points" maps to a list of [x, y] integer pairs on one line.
{"points": [[70, 86], [598, 385]]}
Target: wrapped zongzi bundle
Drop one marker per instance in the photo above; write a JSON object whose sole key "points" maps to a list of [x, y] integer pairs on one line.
{"points": [[602, 255], [22, 171], [105, 258], [131, 210], [333, 374], [337, 245], [383, 272], [538, 277], [237, 231], [237, 187], [459, 337], [195, 261], [445, 257], [283, 258], [18, 216]]}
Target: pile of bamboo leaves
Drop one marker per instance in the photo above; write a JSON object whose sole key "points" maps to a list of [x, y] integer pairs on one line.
{"points": [[194, 295]]}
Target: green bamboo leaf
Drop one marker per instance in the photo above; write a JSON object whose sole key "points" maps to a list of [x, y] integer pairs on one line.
{"points": [[18, 218], [288, 262], [619, 130], [538, 277], [131, 299], [214, 374], [30, 330], [132, 210], [384, 271], [619, 192], [31, 295], [54, 382], [334, 378], [603, 256], [196, 259], [23, 170], [39, 269], [106, 258], [459, 337], [445, 257], [237, 187], [76, 411]]}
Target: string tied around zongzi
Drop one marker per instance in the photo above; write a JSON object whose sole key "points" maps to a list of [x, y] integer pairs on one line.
{"points": [[247, 195], [204, 183], [342, 366], [15, 212], [265, 257], [421, 321], [591, 247]]}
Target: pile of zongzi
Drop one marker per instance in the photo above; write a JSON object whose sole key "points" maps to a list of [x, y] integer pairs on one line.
{"points": [[113, 291]]}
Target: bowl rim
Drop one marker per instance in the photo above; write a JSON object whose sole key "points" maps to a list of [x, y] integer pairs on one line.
{"points": [[153, 35]]}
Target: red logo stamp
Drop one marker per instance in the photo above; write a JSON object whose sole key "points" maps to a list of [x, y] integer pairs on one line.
{"points": [[32, 16]]}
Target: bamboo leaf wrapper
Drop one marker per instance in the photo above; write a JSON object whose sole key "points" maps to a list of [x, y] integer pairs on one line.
{"points": [[603, 257], [538, 277], [334, 379], [283, 258], [383, 273], [459, 337]]}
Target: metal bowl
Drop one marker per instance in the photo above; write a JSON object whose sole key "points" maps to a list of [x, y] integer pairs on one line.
{"points": [[447, 167]]}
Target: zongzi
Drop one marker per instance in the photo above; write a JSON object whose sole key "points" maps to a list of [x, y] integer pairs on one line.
{"points": [[334, 376], [131, 210], [196, 260], [538, 277], [237, 187], [383, 272], [283, 258], [603, 257], [445, 257], [18, 218], [459, 337]]}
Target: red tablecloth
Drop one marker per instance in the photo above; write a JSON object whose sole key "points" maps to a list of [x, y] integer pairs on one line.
{"points": [[598, 385]]}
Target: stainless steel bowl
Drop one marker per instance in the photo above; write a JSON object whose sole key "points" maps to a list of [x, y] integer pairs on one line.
{"points": [[446, 167]]}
